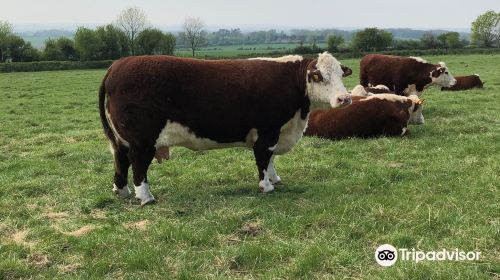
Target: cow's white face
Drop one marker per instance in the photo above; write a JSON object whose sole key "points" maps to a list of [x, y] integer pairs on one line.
{"points": [[416, 116], [324, 85], [441, 76]]}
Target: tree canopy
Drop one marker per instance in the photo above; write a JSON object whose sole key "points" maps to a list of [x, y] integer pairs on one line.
{"points": [[372, 39], [486, 30]]}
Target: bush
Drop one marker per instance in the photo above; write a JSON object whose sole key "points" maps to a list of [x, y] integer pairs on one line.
{"points": [[301, 49], [355, 54], [372, 39], [53, 65]]}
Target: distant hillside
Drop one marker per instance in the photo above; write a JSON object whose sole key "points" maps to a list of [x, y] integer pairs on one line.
{"points": [[37, 38], [407, 33]]}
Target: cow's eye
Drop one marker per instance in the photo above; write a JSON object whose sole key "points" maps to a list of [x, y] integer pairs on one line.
{"points": [[446, 73]]}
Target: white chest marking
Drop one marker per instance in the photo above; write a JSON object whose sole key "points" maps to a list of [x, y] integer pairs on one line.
{"points": [[291, 133], [411, 89]]}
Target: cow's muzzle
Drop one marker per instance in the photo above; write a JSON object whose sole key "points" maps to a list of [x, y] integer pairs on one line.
{"points": [[341, 100]]}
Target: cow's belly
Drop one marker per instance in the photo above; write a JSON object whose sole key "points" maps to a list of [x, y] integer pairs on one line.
{"points": [[176, 134]]}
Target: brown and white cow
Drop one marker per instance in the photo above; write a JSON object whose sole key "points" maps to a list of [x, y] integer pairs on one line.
{"points": [[367, 116], [151, 103], [466, 82], [403, 75], [360, 90]]}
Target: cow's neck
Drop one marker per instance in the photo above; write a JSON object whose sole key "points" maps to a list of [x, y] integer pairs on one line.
{"points": [[302, 84], [424, 80]]}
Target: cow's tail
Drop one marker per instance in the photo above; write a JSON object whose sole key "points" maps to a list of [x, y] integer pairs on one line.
{"points": [[102, 111]]}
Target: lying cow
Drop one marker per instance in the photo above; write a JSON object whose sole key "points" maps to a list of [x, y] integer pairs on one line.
{"points": [[381, 114], [403, 75], [360, 90], [466, 82], [150, 103]]}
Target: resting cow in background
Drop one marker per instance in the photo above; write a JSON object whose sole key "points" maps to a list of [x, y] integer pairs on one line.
{"points": [[466, 82], [150, 103], [403, 75], [360, 90], [381, 114]]}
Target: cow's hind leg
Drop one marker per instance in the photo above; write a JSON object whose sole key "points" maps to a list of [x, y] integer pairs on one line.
{"points": [[141, 159], [263, 151], [122, 164]]}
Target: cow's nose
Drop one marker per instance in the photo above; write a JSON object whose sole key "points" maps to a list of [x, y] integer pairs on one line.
{"points": [[344, 100]]}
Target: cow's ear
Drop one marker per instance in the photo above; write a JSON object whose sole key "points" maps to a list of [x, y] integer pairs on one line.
{"points": [[436, 73], [315, 76], [347, 71], [418, 104]]}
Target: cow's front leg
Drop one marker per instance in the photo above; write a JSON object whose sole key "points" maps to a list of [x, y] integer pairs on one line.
{"points": [[263, 151], [141, 159], [122, 164], [273, 176]]}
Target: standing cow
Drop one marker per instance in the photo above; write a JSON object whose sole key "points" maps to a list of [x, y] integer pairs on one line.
{"points": [[150, 103], [403, 75]]}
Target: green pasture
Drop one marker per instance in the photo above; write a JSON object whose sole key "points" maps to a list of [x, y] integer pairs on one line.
{"points": [[437, 188]]}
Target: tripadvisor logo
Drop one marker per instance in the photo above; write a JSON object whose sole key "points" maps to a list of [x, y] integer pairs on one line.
{"points": [[387, 255]]}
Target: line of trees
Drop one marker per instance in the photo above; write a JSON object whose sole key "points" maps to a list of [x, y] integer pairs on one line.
{"points": [[132, 34], [374, 39], [13, 47]]}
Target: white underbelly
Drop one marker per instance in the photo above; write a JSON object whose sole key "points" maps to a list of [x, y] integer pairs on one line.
{"points": [[175, 134]]}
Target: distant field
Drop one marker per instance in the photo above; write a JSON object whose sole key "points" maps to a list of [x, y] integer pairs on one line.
{"points": [[238, 50], [437, 188]]}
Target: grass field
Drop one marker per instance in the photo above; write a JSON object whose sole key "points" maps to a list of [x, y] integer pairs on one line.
{"points": [[239, 50], [434, 189]]}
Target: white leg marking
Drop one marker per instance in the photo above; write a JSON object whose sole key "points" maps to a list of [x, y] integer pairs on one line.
{"points": [[142, 192], [124, 192], [265, 185], [404, 131], [273, 177]]}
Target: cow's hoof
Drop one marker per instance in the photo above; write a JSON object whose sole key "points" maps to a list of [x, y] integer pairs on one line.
{"points": [[123, 192], [276, 181], [143, 194], [149, 200], [265, 187]]}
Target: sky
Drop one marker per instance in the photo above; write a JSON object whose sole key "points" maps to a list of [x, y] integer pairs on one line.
{"points": [[248, 14]]}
